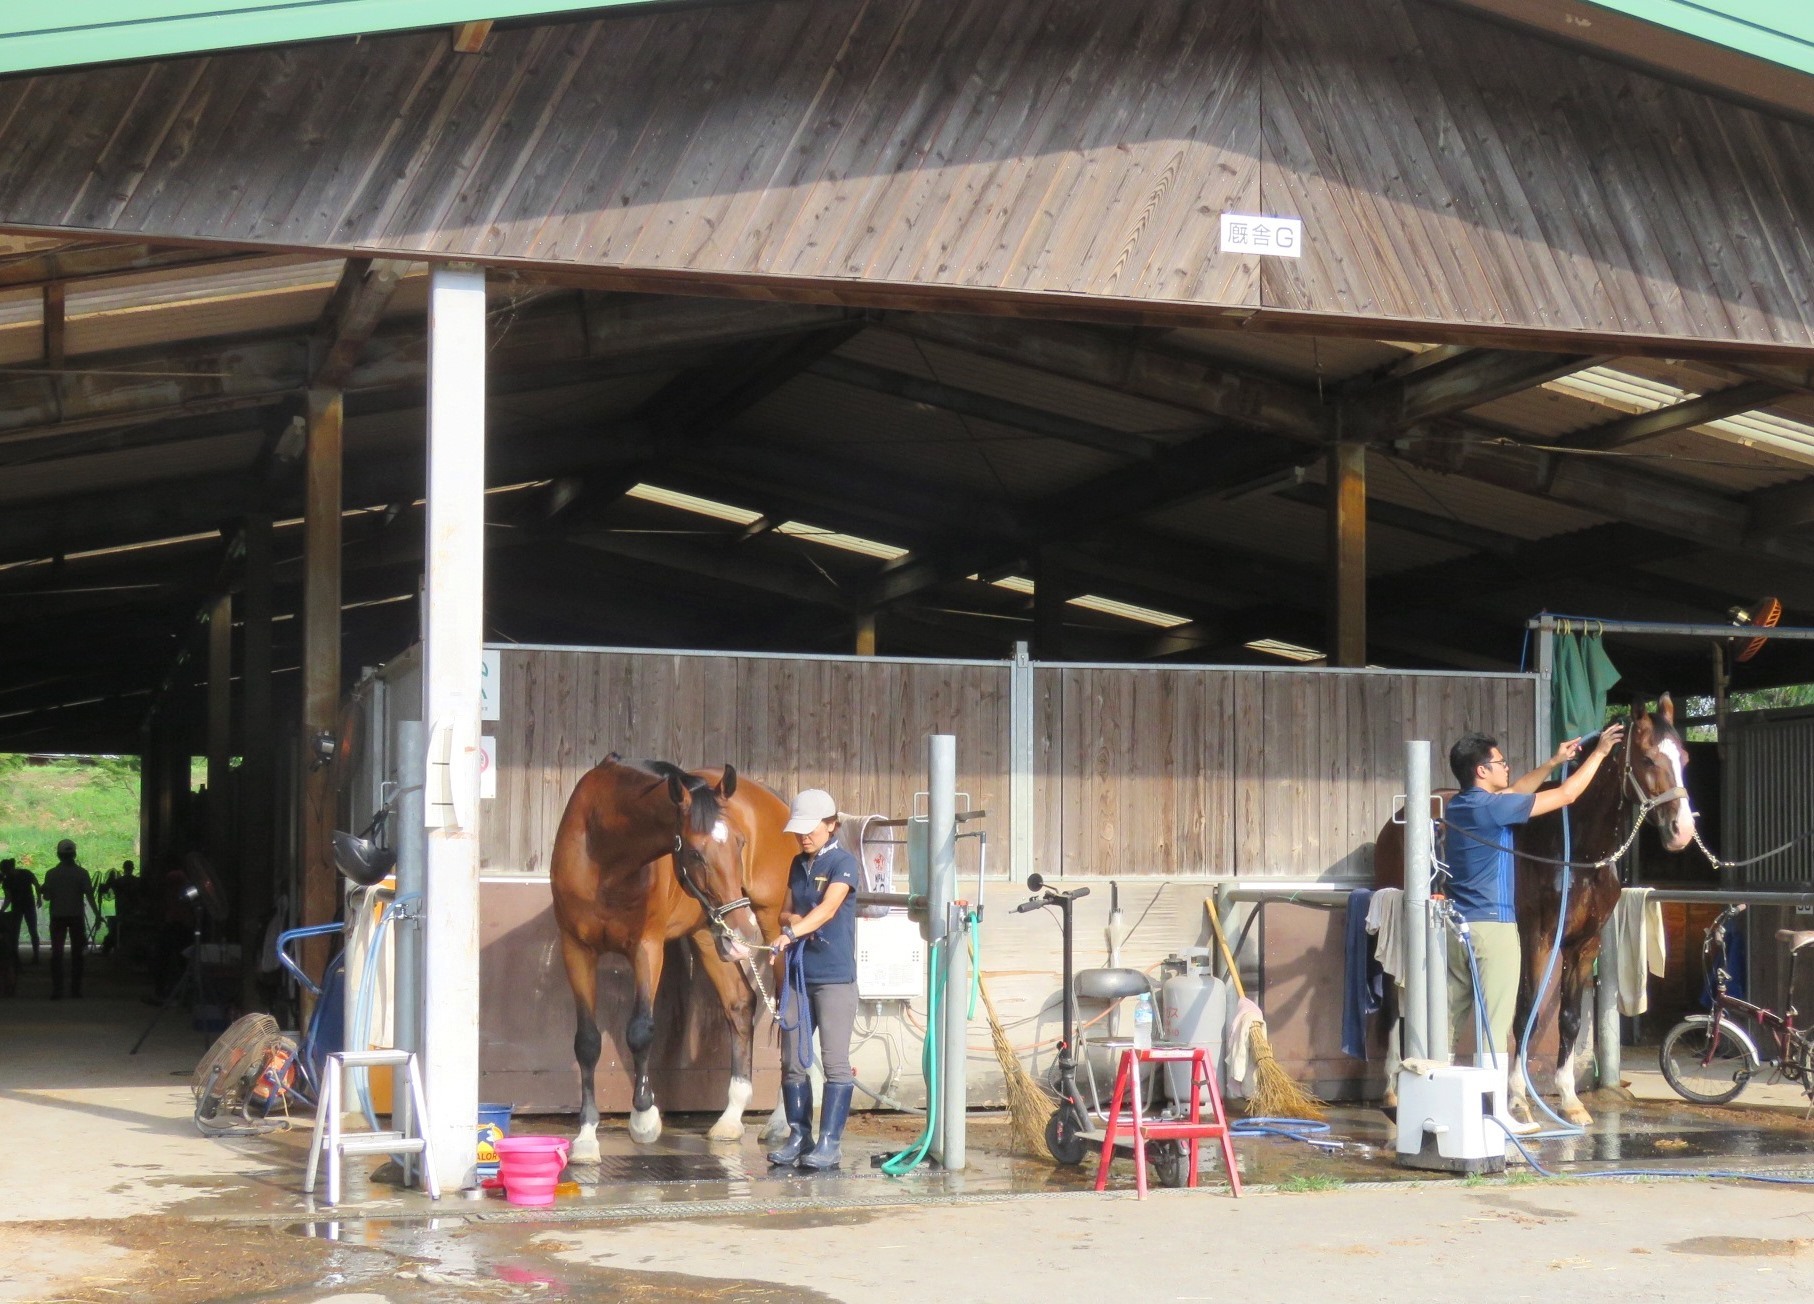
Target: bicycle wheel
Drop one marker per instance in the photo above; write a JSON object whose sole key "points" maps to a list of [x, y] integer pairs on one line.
{"points": [[1698, 1075]]}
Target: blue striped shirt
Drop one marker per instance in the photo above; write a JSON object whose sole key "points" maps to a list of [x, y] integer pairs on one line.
{"points": [[1483, 878]]}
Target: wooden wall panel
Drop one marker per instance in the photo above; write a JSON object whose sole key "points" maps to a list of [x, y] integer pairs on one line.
{"points": [[1277, 773], [856, 728]]}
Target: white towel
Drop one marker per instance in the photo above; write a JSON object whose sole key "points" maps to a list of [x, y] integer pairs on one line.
{"points": [[1385, 920], [1638, 924], [1243, 1070]]}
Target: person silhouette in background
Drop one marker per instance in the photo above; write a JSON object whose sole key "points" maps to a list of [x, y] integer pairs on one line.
{"points": [[9, 931], [69, 890], [20, 887]]}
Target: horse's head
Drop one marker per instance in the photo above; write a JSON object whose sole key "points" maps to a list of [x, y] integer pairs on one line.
{"points": [[1657, 762], [710, 856]]}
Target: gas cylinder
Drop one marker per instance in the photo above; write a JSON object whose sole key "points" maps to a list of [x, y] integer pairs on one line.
{"points": [[1196, 1006]]}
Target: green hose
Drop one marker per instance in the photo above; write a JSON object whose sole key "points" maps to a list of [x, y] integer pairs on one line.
{"points": [[905, 1161]]}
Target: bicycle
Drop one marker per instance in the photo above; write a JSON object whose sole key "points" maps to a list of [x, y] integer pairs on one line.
{"points": [[1711, 1058]]}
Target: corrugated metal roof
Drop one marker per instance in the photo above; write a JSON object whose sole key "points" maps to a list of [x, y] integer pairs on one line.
{"points": [[126, 469], [935, 445], [1306, 359], [1018, 384], [1294, 532], [1460, 499]]}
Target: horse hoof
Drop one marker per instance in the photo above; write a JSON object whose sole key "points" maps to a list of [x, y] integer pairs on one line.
{"points": [[645, 1126], [583, 1151], [724, 1130], [1578, 1116]]}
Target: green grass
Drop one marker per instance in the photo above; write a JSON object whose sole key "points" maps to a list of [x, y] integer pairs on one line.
{"points": [[1300, 1183], [94, 802]]}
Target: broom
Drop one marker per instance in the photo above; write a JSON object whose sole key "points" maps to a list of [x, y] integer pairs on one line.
{"points": [[1276, 1094], [1030, 1106]]}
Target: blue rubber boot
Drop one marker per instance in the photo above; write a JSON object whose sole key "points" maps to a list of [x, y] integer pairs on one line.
{"points": [[797, 1104], [834, 1108]]}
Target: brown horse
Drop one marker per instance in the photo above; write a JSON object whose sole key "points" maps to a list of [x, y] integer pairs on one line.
{"points": [[647, 853], [1642, 777]]}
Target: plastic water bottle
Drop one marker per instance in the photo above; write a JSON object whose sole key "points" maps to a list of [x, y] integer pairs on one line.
{"points": [[1143, 1022]]}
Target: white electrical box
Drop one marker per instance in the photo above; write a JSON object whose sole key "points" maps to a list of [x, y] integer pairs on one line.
{"points": [[891, 959]]}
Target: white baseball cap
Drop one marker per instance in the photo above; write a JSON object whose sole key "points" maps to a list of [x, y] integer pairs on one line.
{"points": [[809, 808]]}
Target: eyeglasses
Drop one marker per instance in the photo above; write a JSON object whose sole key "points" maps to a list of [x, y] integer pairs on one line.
{"points": [[1505, 764]]}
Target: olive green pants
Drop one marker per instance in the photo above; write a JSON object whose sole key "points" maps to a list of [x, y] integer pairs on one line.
{"points": [[1499, 956]]}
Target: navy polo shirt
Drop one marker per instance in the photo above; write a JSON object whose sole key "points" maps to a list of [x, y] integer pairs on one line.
{"points": [[1483, 875], [831, 948]]}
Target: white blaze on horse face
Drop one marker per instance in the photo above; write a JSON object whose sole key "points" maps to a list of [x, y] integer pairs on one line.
{"points": [[721, 832], [1681, 828]]}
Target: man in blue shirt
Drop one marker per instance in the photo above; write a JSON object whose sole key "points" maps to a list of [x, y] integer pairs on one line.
{"points": [[1483, 875]]}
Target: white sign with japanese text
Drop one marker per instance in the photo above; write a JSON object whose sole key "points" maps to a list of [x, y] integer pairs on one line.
{"points": [[1280, 237]]}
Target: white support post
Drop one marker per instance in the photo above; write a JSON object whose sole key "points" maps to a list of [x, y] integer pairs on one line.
{"points": [[453, 649], [953, 1031], [1417, 900], [1020, 760]]}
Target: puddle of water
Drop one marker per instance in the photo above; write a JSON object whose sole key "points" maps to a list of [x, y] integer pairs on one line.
{"points": [[1742, 1246]]}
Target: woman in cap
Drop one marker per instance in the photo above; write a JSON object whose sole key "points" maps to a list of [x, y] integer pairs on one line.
{"points": [[821, 921]]}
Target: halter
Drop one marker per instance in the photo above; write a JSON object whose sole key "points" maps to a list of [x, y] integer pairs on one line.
{"points": [[684, 853]]}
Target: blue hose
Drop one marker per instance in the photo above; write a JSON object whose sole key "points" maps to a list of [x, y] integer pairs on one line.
{"points": [[1573, 1130], [796, 1012], [1307, 1130], [1563, 1126]]}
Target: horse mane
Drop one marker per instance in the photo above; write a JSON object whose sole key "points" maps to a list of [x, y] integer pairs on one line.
{"points": [[704, 811]]}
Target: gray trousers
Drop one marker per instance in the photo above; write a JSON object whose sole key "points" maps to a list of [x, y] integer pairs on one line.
{"points": [[834, 1007]]}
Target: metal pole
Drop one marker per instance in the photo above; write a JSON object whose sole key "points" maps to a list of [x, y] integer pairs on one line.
{"points": [[1667, 629], [1546, 675], [1606, 1009], [412, 878], [1436, 976], [453, 651], [256, 775], [953, 1031], [320, 883], [1417, 900], [220, 747], [1020, 765], [1347, 554]]}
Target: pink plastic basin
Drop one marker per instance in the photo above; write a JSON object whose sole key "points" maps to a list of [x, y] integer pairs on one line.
{"points": [[530, 1166]]}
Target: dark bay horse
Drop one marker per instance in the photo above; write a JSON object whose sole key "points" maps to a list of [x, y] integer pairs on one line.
{"points": [[647, 853], [1643, 776]]}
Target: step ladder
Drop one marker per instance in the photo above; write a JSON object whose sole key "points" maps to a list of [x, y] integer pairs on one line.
{"points": [[337, 1144], [1144, 1129]]}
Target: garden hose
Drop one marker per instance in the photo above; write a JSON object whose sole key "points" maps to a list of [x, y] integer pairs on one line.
{"points": [[905, 1161]]}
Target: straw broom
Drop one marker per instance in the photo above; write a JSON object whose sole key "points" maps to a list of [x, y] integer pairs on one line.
{"points": [[1276, 1094], [1030, 1106]]}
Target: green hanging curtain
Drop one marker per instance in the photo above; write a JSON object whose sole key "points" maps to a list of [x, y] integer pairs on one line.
{"points": [[1584, 675]]}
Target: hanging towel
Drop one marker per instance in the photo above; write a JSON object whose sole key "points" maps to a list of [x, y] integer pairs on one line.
{"points": [[1638, 923], [1583, 676], [1242, 1067], [1385, 920], [1365, 979]]}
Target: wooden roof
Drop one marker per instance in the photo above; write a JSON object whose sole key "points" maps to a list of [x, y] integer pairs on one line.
{"points": [[1457, 179]]}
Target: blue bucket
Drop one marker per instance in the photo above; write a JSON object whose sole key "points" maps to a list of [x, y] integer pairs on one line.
{"points": [[494, 1126]]}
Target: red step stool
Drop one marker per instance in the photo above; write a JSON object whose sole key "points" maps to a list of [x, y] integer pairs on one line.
{"points": [[1191, 1130]]}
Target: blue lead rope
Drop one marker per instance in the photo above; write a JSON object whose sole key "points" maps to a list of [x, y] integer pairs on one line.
{"points": [[796, 1013]]}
